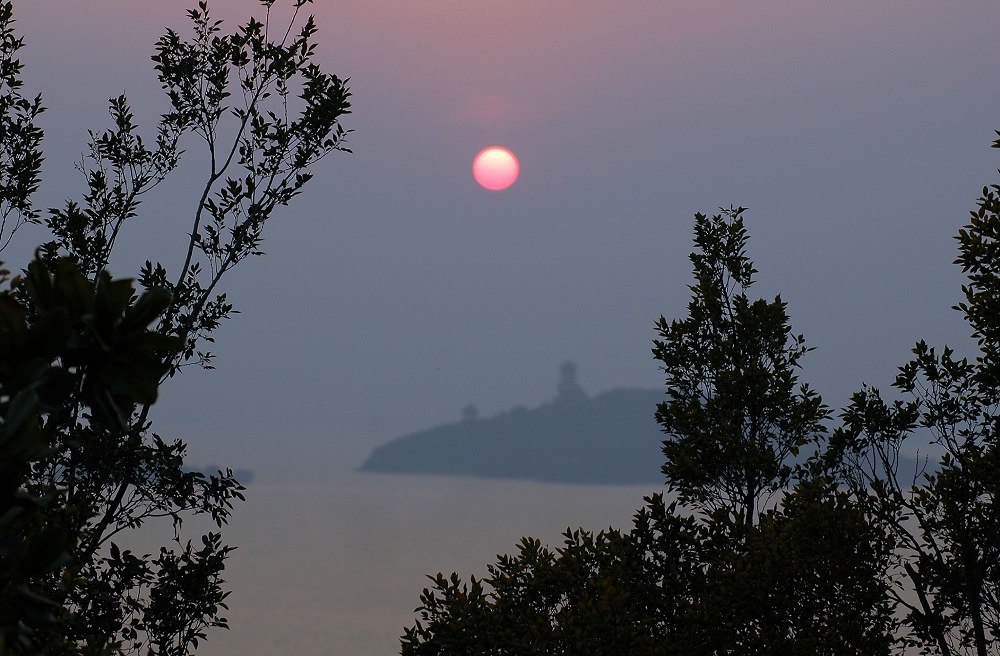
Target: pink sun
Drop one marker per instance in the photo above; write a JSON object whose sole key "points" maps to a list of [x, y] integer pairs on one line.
{"points": [[495, 168]]}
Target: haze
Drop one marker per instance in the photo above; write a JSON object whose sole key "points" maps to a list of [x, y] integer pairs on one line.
{"points": [[395, 291]]}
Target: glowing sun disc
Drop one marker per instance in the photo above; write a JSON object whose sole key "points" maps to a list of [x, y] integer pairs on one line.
{"points": [[495, 168]]}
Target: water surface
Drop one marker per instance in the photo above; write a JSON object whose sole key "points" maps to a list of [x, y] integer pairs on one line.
{"points": [[338, 568]]}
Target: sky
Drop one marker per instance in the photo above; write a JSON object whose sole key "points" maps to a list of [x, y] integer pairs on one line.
{"points": [[395, 291]]}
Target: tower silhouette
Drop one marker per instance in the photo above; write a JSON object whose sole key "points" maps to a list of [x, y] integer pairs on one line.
{"points": [[569, 390]]}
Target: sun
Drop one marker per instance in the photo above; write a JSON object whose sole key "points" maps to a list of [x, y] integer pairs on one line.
{"points": [[495, 168]]}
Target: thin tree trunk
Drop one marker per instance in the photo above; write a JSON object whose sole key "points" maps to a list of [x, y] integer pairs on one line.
{"points": [[933, 619]]}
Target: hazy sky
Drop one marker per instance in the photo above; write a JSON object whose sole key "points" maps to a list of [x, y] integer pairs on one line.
{"points": [[395, 290]]}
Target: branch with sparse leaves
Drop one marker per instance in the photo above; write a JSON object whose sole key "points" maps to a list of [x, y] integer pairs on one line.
{"points": [[263, 113]]}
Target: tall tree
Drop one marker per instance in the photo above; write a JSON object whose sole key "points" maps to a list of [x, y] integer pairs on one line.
{"points": [[735, 412], [83, 355], [778, 578], [942, 514]]}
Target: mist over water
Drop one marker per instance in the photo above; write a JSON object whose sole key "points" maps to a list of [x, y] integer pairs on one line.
{"points": [[337, 568]]}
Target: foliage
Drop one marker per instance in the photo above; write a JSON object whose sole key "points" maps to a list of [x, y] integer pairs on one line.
{"points": [[733, 415], [802, 583], [87, 341], [806, 580], [720, 571], [778, 577], [82, 355], [604, 593], [943, 517], [20, 138]]}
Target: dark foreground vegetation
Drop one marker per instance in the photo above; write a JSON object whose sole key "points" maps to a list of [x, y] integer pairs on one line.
{"points": [[83, 354], [785, 537]]}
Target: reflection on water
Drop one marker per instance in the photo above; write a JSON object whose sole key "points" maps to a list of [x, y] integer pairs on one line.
{"points": [[338, 568]]}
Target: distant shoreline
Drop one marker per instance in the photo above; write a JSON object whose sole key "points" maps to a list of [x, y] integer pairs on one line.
{"points": [[608, 439]]}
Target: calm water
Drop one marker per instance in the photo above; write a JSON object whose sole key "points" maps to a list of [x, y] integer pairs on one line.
{"points": [[338, 568]]}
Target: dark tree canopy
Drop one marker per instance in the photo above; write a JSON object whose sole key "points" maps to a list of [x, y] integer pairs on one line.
{"points": [[599, 593], [757, 555], [942, 518], [83, 354], [734, 413]]}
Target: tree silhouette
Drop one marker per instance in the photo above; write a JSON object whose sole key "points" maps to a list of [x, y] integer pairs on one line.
{"points": [[82, 355], [758, 555], [942, 518]]}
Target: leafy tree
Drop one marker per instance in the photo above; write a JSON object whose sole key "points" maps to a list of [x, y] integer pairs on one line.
{"points": [[84, 338], [20, 137], [82, 355], [735, 414], [779, 578], [807, 579], [723, 570], [600, 593], [942, 516]]}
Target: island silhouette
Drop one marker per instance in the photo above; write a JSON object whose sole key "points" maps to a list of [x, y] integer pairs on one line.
{"points": [[608, 439]]}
